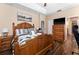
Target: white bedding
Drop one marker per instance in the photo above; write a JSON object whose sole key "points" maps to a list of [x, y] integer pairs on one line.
{"points": [[22, 38]]}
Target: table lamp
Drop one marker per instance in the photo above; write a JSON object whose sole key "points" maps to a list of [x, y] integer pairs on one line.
{"points": [[5, 32]]}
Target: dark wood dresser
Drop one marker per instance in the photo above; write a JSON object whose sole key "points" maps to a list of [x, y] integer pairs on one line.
{"points": [[5, 45], [58, 36], [58, 32]]}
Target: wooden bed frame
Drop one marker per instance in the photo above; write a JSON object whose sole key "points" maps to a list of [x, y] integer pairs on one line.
{"points": [[40, 45]]}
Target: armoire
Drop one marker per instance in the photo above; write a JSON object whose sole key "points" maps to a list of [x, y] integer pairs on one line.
{"points": [[59, 29], [58, 33]]}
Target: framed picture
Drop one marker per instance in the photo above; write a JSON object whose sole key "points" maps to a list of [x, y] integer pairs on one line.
{"points": [[24, 17]]}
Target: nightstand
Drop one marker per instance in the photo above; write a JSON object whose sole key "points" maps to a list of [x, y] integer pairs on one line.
{"points": [[5, 45]]}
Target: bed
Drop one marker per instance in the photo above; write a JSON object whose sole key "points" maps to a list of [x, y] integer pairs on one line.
{"points": [[33, 44]]}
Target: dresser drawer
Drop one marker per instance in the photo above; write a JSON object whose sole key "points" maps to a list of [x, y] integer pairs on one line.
{"points": [[5, 43], [0, 43], [58, 25]]}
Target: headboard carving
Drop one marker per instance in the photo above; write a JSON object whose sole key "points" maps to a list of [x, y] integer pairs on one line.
{"points": [[23, 25]]}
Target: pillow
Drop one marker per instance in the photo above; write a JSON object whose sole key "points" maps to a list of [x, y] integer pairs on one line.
{"points": [[17, 32], [26, 31], [39, 33], [33, 33], [29, 30], [21, 31]]}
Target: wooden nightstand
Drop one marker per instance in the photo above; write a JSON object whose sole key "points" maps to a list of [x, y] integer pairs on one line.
{"points": [[5, 45]]}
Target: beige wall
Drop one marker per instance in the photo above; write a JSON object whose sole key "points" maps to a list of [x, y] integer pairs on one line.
{"points": [[8, 15]]}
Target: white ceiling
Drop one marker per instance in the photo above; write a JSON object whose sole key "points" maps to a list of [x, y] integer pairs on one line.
{"points": [[54, 7], [50, 7]]}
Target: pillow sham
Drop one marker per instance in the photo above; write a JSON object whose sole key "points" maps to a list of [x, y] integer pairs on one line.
{"points": [[21, 31]]}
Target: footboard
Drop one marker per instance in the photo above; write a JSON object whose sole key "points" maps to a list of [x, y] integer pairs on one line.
{"points": [[39, 45]]}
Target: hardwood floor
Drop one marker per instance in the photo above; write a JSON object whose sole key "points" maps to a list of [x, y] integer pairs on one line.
{"points": [[75, 47], [70, 46]]}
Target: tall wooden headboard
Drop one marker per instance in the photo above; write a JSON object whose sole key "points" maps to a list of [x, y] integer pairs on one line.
{"points": [[23, 25]]}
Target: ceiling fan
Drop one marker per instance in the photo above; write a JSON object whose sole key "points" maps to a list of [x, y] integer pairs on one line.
{"points": [[45, 4]]}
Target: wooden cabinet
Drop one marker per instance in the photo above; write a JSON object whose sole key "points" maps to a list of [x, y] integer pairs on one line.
{"points": [[58, 36], [5, 45], [58, 32]]}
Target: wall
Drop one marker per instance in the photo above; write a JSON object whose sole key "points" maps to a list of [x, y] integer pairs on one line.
{"points": [[8, 15]]}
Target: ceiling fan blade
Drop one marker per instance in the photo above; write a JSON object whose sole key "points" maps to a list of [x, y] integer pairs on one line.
{"points": [[45, 4]]}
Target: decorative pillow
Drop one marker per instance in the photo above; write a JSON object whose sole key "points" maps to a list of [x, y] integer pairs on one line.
{"points": [[39, 33]]}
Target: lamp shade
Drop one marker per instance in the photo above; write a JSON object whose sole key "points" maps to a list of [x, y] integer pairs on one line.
{"points": [[5, 30]]}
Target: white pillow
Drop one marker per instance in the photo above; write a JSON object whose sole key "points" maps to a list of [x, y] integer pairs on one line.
{"points": [[33, 33], [26, 31], [17, 32], [29, 30], [21, 30], [39, 33]]}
